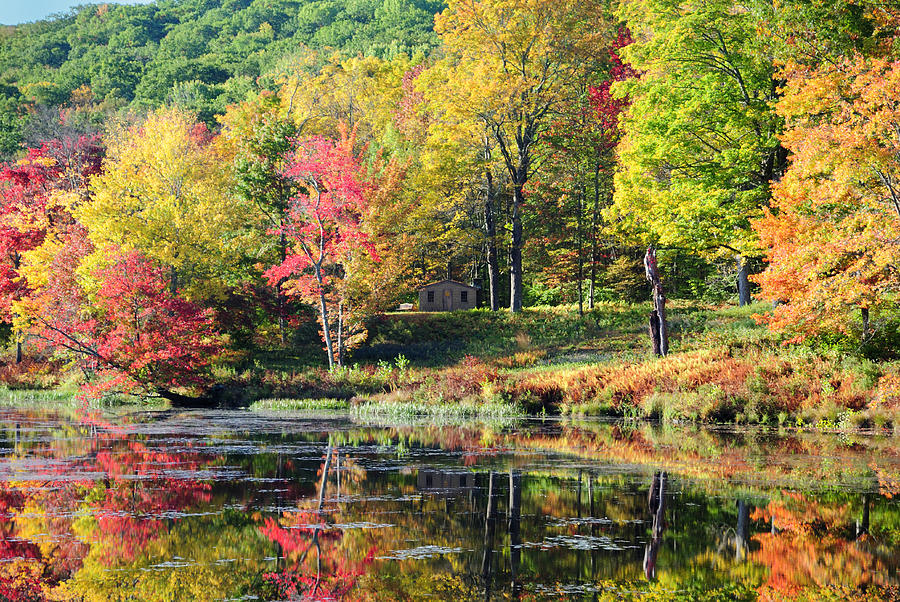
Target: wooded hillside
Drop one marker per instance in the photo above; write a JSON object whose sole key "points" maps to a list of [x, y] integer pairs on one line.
{"points": [[199, 54]]}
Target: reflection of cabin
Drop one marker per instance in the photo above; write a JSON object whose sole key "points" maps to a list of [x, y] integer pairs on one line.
{"points": [[448, 483], [447, 295]]}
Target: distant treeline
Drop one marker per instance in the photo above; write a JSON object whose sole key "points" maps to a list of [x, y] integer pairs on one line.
{"points": [[201, 54]]}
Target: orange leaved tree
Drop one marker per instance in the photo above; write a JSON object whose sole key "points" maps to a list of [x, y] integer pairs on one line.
{"points": [[832, 235]]}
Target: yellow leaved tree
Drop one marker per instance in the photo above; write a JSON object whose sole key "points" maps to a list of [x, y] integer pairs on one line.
{"points": [[509, 67], [163, 192]]}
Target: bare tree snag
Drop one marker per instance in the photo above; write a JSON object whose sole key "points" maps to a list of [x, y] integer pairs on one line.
{"points": [[659, 331], [654, 332], [743, 281]]}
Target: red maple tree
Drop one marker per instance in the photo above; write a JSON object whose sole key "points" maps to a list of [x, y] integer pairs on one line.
{"points": [[324, 227], [132, 333]]}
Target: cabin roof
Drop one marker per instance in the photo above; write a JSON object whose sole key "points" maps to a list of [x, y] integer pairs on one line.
{"points": [[422, 288]]}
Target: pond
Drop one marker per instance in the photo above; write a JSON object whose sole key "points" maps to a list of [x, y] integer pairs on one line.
{"points": [[236, 505]]}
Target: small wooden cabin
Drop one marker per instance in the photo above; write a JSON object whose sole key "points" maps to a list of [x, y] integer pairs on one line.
{"points": [[447, 295]]}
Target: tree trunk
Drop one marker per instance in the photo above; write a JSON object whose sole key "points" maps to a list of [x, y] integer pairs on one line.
{"points": [[173, 281], [279, 293], [651, 270], [323, 315], [490, 227], [579, 245], [654, 333], [340, 334], [185, 401], [595, 216], [865, 325], [515, 250], [743, 281], [17, 260]]}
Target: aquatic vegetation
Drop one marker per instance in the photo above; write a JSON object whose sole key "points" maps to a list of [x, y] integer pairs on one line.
{"points": [[300, 404]]}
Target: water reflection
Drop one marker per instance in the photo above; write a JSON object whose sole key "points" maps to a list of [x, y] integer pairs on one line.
{"points": [[232, 505]]}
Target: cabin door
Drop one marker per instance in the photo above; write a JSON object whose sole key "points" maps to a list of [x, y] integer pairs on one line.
{"points": [[447, 301]]}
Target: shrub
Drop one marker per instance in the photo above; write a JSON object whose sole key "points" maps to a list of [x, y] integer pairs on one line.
{"points": [[31, 373]]}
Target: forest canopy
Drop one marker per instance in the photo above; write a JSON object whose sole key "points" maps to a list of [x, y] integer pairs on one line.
{"points": [[200, 54], [246, 169]]}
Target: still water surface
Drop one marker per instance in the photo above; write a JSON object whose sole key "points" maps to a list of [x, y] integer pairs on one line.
{"points": [[240, 505]]}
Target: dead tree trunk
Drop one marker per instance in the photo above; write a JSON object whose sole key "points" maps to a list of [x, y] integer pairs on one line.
{"points": [[743, 282], [658, 329], [862, 526], [742, 531], [657, 504], [654, 333]]}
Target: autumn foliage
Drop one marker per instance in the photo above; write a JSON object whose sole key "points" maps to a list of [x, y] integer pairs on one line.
{"points": [[833, 230], [539, 152], [324, 226]]}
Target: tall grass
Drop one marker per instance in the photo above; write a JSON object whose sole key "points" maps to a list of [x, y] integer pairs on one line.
{"points": [[439, 411], [301, 404]]}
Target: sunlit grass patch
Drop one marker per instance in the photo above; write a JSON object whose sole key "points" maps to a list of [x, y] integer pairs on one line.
{"points": [[458, 410], [301, 404], [25, 397]]}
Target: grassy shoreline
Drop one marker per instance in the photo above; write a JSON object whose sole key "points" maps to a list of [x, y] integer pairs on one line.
{"points": [[724, 369]]}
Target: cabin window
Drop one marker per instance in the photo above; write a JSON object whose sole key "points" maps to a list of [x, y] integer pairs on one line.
{"points": [[464, 296], [431, 296]]}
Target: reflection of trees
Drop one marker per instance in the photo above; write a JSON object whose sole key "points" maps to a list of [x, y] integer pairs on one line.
{"points": [[299, 533], [490, 524], [657, 504], [514, 525], [94, 498], [820, 546], [711, 456], [515, 514], [22, 567]]}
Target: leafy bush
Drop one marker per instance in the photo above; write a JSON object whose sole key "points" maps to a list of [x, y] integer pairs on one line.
{"points": [[625, 280], [31, 373]]}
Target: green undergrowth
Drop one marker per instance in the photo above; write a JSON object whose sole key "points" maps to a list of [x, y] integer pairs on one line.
{"points": [[26, 397], [68, 400]]}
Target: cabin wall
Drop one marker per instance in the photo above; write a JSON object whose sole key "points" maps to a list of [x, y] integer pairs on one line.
{"points": [[448, 296]]}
